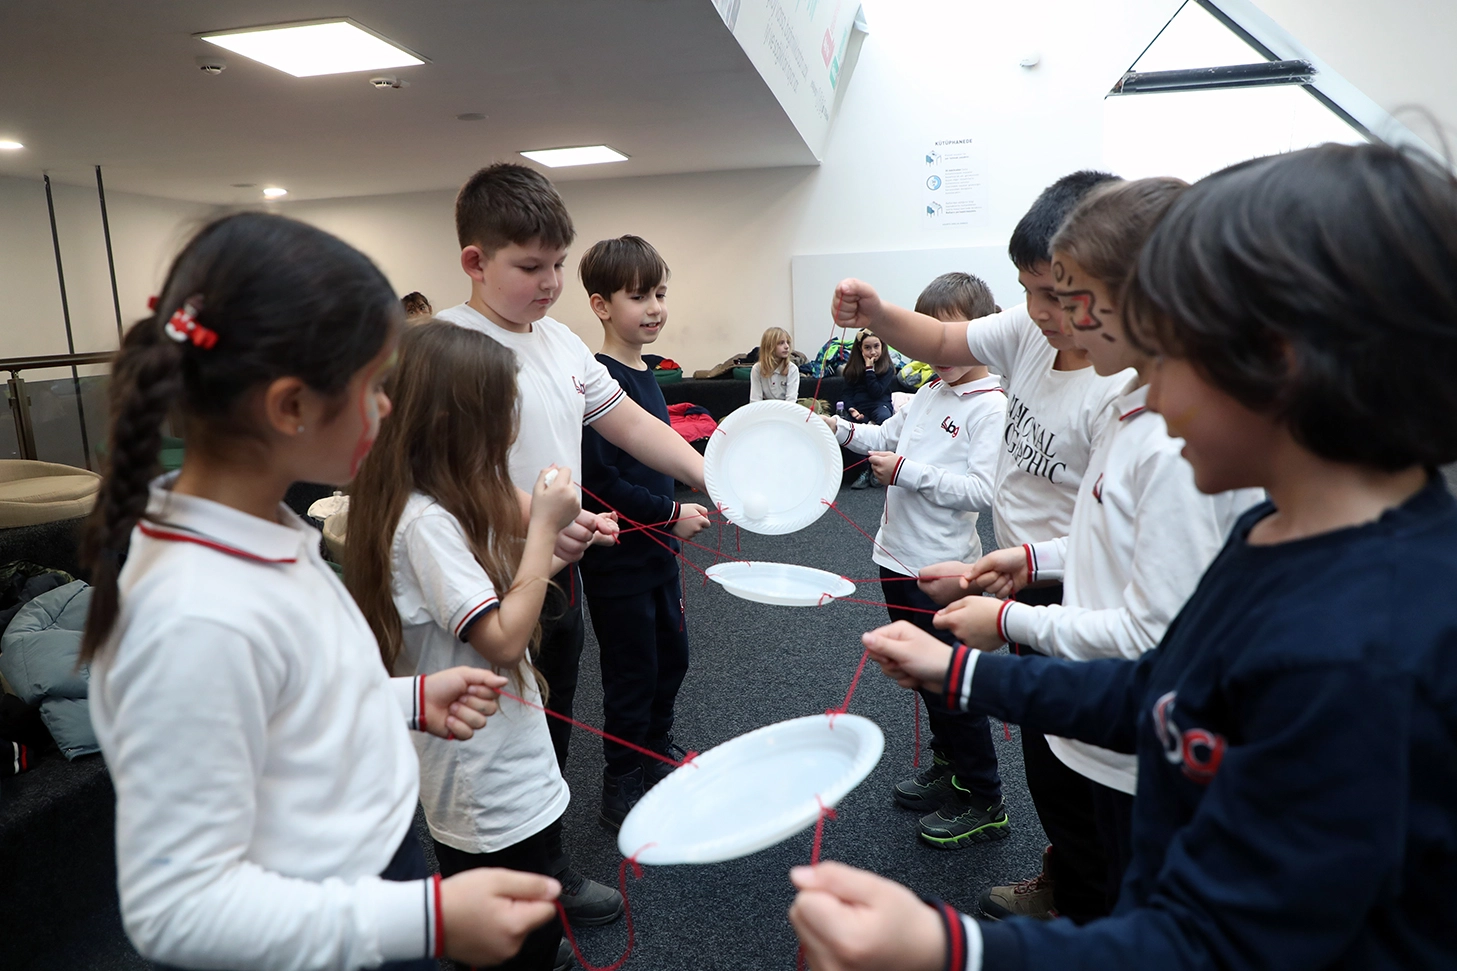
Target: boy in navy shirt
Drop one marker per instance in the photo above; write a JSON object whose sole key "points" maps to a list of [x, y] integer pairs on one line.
{"points": [[1296, 728], [633, 591]]}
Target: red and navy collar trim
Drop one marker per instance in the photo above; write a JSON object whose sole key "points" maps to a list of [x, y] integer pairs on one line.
{"points": [[172, 533], [1132, 412]]}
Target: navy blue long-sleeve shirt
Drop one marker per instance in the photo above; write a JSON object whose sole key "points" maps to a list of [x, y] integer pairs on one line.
{"points": [[1296, 734], [638, 492], [873, 390]]}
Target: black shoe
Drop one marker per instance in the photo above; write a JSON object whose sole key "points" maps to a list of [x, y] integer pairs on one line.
{"points": [[962, 822], [564, 959], [619, 794], [655, 770], [866, 481], [928, 789], [587, 902]]}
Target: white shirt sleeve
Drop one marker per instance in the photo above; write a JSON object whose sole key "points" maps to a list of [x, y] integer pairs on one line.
{"points": [[996, 340], [191, 712], [973, 489], [409, 694], [791, 383], [1177, 533], [756, 384], [600, 388], [863, 438], [451, 584]]}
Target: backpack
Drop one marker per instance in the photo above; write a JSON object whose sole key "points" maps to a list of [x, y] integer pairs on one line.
{"points": [[830, 359]]}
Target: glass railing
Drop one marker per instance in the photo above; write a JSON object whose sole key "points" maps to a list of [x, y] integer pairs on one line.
{"points": [[56, 418]]}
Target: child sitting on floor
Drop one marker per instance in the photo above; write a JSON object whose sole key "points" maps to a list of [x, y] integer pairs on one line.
{"points": [[938, 455], [774, 375]]}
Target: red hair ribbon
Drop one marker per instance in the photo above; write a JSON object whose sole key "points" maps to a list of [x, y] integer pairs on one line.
{"points": [[182, 326]]}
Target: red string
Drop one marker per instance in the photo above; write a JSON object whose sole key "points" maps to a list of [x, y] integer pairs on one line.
{"points": [[1007, 731], [867, 536], [600, 733], [626, 910], [738, 539], [834, 326], [814, 857], [826, 598], [845, 705], [916, 758]]}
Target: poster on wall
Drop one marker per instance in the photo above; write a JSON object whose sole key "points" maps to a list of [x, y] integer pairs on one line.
{"points": [[953, 184], [802, 49]]}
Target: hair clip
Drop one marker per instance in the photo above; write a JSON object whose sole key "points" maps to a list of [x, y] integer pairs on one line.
{"points": [[182, 326]]}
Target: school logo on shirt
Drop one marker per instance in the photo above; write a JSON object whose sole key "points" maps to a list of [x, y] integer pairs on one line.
{"points": [[1198, 750], [947, 425], [581, 388], [1031, 445]]}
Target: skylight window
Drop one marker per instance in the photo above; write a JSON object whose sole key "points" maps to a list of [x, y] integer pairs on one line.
{"points": [[319, 47]]}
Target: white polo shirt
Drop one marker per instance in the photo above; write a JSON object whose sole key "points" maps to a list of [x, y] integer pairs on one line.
{"points": [[1052, 419], [1142, 536], [263, 770], [948, 440], [561, 386], [502, 785]]}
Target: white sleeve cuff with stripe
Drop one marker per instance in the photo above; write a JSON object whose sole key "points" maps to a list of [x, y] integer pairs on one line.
{"points": [[604, 407], [474, 609], [1046, 560], [1017, 624], [844, 431], [404, 917], [410, 696]]}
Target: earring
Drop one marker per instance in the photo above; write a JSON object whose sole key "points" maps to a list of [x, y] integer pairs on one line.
{"points": [[300, 429]]}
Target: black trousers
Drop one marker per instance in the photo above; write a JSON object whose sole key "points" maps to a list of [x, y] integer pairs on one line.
{"points": [[963, 738], [643, 642], [560, 654], [408, 864], [535, 854], [1066, 806]]}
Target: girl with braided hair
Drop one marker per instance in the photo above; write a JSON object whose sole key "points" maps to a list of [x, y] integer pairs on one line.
{"points": [[265, 781]]}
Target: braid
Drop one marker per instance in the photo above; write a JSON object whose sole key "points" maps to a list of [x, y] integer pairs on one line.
{"points": [[146, 382]]}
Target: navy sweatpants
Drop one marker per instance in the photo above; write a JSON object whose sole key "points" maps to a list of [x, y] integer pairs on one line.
{"points": [[964, 739], [643, 641]]}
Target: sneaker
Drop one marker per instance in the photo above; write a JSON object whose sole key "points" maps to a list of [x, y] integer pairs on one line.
{"points": [[587, 902], [1026, 898], [655, 771], [866, 481], [928, 789], [961, 822], [619, 794], [564, 959]]}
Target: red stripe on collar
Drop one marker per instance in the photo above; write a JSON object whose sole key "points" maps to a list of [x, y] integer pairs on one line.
{"points": [[1136, 411], [153, 532]]}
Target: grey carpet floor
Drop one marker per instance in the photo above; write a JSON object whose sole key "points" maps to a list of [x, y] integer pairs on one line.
{"points": [[752, 664]]}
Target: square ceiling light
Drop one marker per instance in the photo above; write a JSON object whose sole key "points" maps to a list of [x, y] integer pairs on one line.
{"points": [[317, 47], [581, 155]]}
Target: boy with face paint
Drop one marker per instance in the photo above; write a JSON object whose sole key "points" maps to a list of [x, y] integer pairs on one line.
{"points": [[1056, 404]]}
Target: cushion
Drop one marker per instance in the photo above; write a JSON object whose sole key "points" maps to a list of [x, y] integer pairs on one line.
{"points": [[38, 656], [336, 528], [44, 492]]}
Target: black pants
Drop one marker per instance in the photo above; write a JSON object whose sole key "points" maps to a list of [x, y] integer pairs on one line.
{"points": [[408, 864], [1113, 813], [963, 738], [560, 654], [535, 854], [643, 643], [1065, 806]]}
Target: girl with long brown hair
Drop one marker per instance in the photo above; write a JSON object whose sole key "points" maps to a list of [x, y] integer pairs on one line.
{"points": [[450, 568]]}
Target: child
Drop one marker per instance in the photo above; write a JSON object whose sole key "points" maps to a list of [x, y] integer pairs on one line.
{"points": [[514, 231], [774, 376], [1056, 404], [265, 785], [869, 380], [447, 576], [633, 589], [945, 445], [1311, 672], [1142, 533]]}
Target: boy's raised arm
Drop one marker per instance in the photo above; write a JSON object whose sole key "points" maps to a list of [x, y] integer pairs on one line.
{"points": [[651, 442], [856, 305]]}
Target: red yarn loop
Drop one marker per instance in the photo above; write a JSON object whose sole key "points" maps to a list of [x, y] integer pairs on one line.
{"points": [[626, 911]]}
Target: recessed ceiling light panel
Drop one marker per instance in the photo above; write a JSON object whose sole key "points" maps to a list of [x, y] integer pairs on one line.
{"points": [[6, 145], [318, 47], [274, 192], [581, 155]]}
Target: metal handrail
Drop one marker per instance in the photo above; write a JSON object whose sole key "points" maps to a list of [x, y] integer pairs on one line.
{"points": [[20, 400]]}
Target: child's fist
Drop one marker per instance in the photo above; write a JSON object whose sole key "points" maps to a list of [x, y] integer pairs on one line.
{"points": [[883, 464], [487, 913], [850, 920], [692, 519], [946, 581], [974, 622], [554, 500], [908, 655], [855, 304], [458, 700], [1001, 573]]}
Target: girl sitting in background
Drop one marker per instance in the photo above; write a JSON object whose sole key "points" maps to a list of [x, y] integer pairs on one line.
{"points": [[774, 376], [869, 380]]}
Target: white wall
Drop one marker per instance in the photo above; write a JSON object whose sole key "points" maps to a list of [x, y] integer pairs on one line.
{"points": [[930, 69]]}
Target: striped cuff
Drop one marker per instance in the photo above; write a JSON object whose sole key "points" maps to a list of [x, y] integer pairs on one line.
{"points": [[474, 613], [417, 710], [956, 690], [1002, 618], [844, 425], [1031, 562], [895, 474], [603, 408], [963, 937], [1045, 560], [434, 919]]}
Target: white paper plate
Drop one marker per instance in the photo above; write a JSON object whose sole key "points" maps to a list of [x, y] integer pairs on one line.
{"points": [[779, 583], [751, 791], [771, 466]]}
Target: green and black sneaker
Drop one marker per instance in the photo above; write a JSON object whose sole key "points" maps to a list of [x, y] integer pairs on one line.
{"points": [[928, 789], [960, 822]]}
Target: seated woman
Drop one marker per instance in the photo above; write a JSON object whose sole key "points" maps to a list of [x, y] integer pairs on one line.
{"points": [[869, 380]]}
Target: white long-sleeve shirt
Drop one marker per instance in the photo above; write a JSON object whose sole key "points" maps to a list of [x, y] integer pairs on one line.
{"points": [[1142, 536], [948, 440], [263, 768], [776, 387]]}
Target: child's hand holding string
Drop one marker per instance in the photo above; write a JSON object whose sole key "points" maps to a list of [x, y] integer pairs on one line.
{"points": [[850, 920], [908, 655], [457, 700], [883, 465], [692, 519], [1001, 573], [487, 913], [947, 581], [855, 304], [974, 622], [555, 502]]}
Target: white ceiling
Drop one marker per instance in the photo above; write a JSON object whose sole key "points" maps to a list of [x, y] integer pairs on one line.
{"points": [[96, 81]]}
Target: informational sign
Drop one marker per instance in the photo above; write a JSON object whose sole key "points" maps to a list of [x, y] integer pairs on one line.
{"points": [[953, 180], [800, 48]]}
